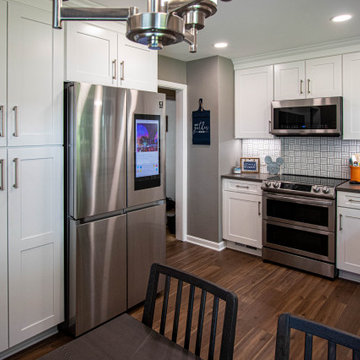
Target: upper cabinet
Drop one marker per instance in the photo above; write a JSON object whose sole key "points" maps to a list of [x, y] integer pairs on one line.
{"points": [[351, 83], [253, 96], [308, 79], [91, 54], [104, 56], [35, 77], [3, 20]]}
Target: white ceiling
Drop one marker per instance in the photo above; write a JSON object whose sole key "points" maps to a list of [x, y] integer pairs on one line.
{"points": [[253, 27]]}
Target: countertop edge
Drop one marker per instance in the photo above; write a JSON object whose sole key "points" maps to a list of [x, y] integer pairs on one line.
{"points": [[247, 177]]}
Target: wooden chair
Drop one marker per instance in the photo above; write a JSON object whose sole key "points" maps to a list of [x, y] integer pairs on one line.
{"points": [[311, 328], [228, 333]]}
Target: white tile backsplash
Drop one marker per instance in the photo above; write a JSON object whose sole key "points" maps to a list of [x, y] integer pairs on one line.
{"points": [[314, 156]]}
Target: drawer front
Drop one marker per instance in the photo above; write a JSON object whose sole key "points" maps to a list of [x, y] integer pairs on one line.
{"points": [[348, 199], [249, 187]]}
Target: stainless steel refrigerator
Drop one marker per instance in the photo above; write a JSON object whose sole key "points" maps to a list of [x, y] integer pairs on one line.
{"points": [[115, 191]]}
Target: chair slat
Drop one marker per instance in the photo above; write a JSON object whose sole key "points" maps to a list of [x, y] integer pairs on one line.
{"points": [[331, 350], [213, 328], [356, 354], [165, 305], [189, 317], [177, 311], [308, 346], [200, 323]]}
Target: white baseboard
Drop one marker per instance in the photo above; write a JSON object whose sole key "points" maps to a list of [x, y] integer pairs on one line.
{"points": [[32, 341], [206, 243], [349, 276], [243, 248]]}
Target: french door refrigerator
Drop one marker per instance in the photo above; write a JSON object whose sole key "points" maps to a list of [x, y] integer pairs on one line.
{"points": [[115, 191]]}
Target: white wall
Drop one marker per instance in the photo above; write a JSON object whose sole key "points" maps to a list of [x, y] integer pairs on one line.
{"points": [[170, 149]]}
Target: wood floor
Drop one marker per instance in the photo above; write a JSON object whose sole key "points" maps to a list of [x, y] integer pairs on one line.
{"points": [[264, 291]]}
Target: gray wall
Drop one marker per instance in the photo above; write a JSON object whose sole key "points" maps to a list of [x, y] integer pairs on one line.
{"points": [[212, 80], [171, 70]]}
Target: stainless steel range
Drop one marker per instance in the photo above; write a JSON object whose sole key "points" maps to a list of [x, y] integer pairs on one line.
{"points": [[299, 222]]}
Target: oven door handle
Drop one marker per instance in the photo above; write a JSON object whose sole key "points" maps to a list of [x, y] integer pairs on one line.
{"points": [[299, 200]]}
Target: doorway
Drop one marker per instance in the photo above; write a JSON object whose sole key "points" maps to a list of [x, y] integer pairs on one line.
{"points": [[176, 142]]}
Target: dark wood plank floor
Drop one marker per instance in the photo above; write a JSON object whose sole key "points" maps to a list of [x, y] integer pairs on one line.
{"points": [[264, 291]]}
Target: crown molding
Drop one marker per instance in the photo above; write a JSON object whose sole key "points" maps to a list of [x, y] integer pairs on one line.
{"points": [[301, 53]]}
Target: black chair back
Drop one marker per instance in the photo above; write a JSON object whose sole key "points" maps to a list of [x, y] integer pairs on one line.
{"points": [[311, 328], [228, 333]]}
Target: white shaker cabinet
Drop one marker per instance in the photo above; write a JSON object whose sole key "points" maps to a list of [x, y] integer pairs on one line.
{"points": [[348, 229], [242, 212], [351, 83], [35, 77], [3, 21], [320, 77], [3, 253], [91, 54], [99, 55], [253, 96], [35, 237], [138, 65], [290, 80]]}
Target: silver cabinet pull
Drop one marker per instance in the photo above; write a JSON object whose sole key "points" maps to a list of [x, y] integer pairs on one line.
{"points": [[259, 206], [355, 201], [2, 134], [301, 86], [16, 182], [269, 126], [340, 222], [16, 131], [114, 69], [122, 64], [2, 185], [242, 187], [308, 86]]}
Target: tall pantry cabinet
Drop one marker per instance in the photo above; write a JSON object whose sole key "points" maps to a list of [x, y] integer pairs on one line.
{"points": [[31, 165]]}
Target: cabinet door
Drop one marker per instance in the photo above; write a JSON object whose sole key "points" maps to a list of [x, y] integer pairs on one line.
{"points": [[351, 91], [323, 77], [290, 81], [35, 202], [3, 254], [242, 220], [91, 54], [3, 27], [35, 77], [137, 65], [253, 96], [348, 244]]}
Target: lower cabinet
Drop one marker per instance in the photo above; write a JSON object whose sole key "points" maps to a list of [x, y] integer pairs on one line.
{"points": [[3, 253], [35, 241], [348, 230], [242, 218]]}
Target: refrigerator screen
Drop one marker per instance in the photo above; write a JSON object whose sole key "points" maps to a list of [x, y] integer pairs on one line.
{"points": [[147, 151]]}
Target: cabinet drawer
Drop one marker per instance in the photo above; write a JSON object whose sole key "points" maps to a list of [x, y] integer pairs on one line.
{"points": [[249, 187], [348, 199]]}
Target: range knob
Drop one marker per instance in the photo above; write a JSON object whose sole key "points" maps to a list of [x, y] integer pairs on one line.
{"points": [[316, 188], [325, 190], [276, 185], [267, 183]]}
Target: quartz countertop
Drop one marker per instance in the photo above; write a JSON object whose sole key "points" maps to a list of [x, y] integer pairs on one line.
{"points": [[247, 177], [349, 187]]}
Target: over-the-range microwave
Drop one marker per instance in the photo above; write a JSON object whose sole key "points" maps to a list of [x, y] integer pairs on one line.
{"points": [[307, 117]]}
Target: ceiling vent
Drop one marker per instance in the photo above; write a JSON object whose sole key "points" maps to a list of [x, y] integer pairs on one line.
{"points": [[165, 23]]}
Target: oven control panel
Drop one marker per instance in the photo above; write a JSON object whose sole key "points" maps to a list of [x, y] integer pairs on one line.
{"points": [[301, 189]]}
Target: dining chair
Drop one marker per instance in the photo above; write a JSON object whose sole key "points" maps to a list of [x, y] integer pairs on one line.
{"points": [[229, 323], [334, 337]]}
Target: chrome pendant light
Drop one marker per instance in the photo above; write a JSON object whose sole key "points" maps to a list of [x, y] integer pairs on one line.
{"points": [[166, 22]]}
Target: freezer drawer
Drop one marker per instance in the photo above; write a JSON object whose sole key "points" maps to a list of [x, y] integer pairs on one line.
{"points": [[97, 273], [146, 245]]}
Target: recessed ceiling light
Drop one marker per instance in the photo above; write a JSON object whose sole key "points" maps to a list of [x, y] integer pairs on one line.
{"points": [[341, 18], [221, 45]]}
